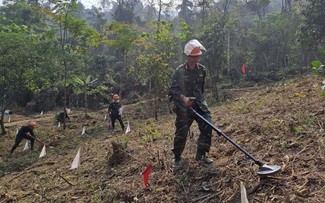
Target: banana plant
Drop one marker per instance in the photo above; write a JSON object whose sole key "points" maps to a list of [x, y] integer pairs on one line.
{"points": [[317, 66]]}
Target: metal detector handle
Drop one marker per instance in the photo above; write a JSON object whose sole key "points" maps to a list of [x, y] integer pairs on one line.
{"points": [[256, 161]]}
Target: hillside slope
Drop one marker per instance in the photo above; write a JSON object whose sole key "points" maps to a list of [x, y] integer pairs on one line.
{"points": [[280, 124]]}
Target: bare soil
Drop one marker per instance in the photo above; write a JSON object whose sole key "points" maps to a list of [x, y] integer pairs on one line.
{"points": [[281, 124]]}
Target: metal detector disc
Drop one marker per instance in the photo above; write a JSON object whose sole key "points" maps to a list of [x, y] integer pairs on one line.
{"points": [[268, 170]]}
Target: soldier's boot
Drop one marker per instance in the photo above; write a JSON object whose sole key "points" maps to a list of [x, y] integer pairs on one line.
{"points": [[177, 162], [202, 157]]}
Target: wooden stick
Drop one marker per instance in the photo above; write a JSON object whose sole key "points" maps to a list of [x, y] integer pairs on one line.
{"points": [[66, 180], [36, 139]]}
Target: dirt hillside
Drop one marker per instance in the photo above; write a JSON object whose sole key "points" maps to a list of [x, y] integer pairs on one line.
{"points": [[281, 124]]}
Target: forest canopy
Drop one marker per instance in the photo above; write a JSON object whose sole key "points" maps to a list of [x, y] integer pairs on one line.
{"points": [[131, 47]]}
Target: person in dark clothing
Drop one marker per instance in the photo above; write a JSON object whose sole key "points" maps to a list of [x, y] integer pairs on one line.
{"points": [[25, 132], [188, 81], [114, 111], [62, 116]]}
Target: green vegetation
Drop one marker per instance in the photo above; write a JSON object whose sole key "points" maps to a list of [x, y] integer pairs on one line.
{"points": [[60, 46]]}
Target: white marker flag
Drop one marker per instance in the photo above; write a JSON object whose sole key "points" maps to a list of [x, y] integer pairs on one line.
{"points": [[43, 152], [59, 124], [26, 145], [41, 113], [83, 130], [76, 161], [120, 111], [105, 117], [128, 128]]}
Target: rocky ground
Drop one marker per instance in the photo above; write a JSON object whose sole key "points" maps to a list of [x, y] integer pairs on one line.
{"points": [[281, 124]]}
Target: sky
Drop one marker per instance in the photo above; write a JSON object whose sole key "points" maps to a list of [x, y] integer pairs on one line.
{"points": [[88, 3]]}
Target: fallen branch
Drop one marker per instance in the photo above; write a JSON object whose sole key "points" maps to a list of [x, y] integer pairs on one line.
{"points": [[181, 185], [204, 198], [320, 126], [66, 180], [256, 187]]}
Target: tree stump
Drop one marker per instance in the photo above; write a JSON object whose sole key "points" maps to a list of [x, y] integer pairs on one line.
{"points": [[119, 155]]}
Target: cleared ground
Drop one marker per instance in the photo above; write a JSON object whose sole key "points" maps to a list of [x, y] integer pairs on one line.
{"points": [[279, 123]]}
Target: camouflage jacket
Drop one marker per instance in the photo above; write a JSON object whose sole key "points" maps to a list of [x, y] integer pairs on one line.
{"points": [[189, 83]]}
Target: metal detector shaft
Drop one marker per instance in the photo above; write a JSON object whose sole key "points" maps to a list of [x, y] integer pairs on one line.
{"points": [[256, 161]]}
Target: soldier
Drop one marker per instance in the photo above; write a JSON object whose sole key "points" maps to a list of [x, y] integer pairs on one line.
{"points": [[188, 81]]}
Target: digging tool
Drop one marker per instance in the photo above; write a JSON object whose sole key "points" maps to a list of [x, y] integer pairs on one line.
{"points": [[37, 139], [264, 169]]}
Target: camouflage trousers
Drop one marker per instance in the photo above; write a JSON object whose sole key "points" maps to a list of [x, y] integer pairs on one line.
{"points": [[184, 120]]}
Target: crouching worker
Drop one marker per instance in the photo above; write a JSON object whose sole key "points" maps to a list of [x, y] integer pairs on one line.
{"points": [[63, 116], [114, 109], [25, 132]]}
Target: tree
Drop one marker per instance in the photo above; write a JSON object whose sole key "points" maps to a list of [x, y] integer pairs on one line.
{"points": [[258, 7], [23, 57], [76, 37], [312, 34], [185, 11], [204, 12], [85, 84], [124, 11], [286, 6], [162, 5], [20, 13], [154, 70], [214, 39], [121, 37]]}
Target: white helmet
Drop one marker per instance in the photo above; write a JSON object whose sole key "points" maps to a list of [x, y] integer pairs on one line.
{"points": [[193, 48]]}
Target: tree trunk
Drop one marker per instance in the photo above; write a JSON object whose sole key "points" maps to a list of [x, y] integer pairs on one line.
{"points": [[86, 103], [156, 107], [3, 129], [228, 52], [65, 93], [266, 62]]}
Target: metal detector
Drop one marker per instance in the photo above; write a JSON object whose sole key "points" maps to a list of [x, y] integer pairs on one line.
{"points": [[264, 169]]}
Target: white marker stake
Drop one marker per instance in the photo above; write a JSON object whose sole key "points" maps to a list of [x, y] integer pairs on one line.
{"points": [[105, 117], [9, 119], [26, 145], [59, 124], [76, 161], [83, 130], [128, 128], [43, 152], [41, 113]]}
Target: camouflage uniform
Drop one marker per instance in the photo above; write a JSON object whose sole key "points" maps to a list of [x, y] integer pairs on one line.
{"points": [[190, 83]]}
